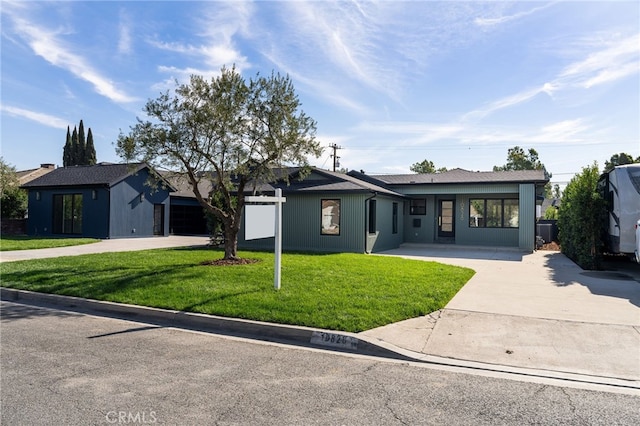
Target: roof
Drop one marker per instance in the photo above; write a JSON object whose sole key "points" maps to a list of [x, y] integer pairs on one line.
{"points": [[326, 181], [182, 186], [461, 176], [103, 174], [25, 176]]}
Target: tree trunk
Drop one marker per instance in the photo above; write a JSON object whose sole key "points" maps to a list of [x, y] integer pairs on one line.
{"points": [[230, 243]]}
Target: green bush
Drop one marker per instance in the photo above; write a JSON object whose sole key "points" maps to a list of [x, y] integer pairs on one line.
{"points": [[580, 219]]}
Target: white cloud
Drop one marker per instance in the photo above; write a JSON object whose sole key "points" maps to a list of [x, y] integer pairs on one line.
{"points": [[38, 117], [488, 22], [618, 59], [124, 40], [216, 28], [46, 44]]}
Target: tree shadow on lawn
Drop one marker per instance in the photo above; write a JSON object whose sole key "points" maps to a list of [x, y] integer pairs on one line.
{"points": [[564, 272], [110, 284]]}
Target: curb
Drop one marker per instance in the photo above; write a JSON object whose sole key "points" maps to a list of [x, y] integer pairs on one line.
{"points": [[257, 330], [307, 337]]}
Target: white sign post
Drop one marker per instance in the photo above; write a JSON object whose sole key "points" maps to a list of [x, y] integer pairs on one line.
{"points": [[257, 228]]}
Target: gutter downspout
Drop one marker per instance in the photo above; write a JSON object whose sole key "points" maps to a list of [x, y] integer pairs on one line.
{"points": [[366, 217]]}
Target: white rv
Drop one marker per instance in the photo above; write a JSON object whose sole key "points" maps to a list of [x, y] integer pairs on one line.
{"points": [[621, 190]]}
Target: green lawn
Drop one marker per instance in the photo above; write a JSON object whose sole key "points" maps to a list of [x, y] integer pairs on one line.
{"points": [[22, 242], [349, 292]]}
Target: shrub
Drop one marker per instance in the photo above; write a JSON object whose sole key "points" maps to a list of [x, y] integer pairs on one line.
{"points": [[580, 219]]}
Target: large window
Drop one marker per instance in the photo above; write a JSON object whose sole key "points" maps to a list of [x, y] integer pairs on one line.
{"points": [[418, 206], [330, 217], [493, 213], [67, 214]]}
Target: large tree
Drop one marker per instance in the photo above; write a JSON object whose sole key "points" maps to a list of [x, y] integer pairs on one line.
{"points": [[518, 159], [90, 150], [228, 131], [619, 160], [13, 200], [82, 146], [67, 152], [426, 166]]}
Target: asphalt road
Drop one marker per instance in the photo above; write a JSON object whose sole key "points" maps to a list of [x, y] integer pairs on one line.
{"points": [[62, 367]]}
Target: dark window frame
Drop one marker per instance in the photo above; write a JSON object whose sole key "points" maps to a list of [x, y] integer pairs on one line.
{"points": [[503, 222], [334, 228], [67, 213], [394, 218], [371, 223], [418, 210]]}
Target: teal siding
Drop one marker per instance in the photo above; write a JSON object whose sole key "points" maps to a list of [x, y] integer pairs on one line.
{"points": [[447, 189], [302, 220], [527, 210], [424, 233], [384, 238], [301, 225]]}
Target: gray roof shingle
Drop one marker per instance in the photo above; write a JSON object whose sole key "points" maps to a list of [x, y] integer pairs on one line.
{"points": [[97, 175], [462, 176]]}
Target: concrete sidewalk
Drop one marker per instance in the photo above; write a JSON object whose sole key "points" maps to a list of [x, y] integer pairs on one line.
{"points": [[536, 311], [104, 246]]}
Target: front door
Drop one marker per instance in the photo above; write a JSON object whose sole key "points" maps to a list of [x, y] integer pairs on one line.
{"points": [[446, 225], [158, 219]]}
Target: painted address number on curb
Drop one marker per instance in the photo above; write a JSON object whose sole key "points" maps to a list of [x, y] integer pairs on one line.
{"points": [[334, 340]]}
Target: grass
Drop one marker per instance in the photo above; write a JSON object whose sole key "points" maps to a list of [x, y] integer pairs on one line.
{"points": [[349, 292], [23, 242]]}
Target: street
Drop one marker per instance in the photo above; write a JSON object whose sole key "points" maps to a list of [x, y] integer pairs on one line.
{"points": [[61, 367]]}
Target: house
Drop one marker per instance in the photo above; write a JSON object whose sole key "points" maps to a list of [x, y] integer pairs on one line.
{"points": [[324, 212], [100, 201], [334, 212], [355, 212], [25, 176]]}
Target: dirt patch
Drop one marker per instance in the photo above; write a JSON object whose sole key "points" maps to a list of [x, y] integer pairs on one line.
{"points": [[229, 262]]}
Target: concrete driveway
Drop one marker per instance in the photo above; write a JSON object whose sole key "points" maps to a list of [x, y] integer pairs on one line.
{"points": [[104, 246], [538, 311]]}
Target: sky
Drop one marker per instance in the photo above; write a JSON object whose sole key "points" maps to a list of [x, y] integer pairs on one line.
{"points": [[390, 82]]}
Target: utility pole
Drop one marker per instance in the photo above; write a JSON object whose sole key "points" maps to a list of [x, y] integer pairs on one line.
{"points": [[335, 157]]}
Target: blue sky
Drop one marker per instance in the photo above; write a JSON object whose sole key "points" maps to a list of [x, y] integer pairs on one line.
{"points": [[392, 83]]}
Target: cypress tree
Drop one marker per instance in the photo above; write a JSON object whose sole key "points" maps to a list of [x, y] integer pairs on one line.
{"points": [[90, 153], [75, 151], [68, 149], [82, 147]]}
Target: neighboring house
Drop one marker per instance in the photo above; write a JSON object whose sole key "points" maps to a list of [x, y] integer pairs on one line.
{"points": [[360, 213], [100, 201], [25, 176]]}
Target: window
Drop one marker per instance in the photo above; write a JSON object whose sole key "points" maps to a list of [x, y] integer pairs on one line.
{"points": [[372, 216], [418, 206], [330, 222], [493, 213], [67, 214], [394, 218]]}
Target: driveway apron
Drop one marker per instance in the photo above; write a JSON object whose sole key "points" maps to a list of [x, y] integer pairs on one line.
{"points": [[531, 310]]}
